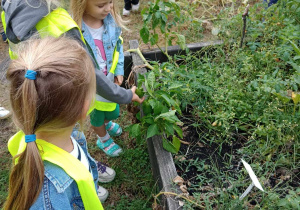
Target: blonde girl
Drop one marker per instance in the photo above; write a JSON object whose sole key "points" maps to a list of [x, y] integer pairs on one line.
{"points": [[52, 85], [101, 27]]}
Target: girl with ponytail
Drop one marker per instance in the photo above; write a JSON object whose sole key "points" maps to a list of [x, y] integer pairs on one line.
{"points": [[52, 85]]}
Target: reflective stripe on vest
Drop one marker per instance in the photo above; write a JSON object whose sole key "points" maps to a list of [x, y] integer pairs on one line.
{"points": [[100, 102], [71, 165], [55, 24]]}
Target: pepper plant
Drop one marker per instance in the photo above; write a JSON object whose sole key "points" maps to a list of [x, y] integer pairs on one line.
{"points": [[160, 110], [163, 16]]}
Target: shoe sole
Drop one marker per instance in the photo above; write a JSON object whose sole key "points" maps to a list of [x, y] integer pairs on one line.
{"points": [[106, 180], [103, 199], [7, 116]]}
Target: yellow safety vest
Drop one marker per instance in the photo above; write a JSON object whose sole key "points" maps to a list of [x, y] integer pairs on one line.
{"points": [[71, 165], [100, 102], [55, 24]]}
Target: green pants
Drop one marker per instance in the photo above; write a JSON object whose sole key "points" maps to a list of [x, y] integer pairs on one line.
{"points": [[97, 117]]}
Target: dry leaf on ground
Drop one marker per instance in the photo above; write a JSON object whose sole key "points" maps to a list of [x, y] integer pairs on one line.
{"points": [[178, 180], [200, 144], [184, 142], [180, 158], [181, 203], [183, 188]]}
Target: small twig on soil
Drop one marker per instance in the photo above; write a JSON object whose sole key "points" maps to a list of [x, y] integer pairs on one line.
{"points": [[245, 14], [177, 195]]}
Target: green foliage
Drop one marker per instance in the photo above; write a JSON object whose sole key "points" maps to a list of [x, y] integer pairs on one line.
{"points": [[159, 112], [163, 16]]}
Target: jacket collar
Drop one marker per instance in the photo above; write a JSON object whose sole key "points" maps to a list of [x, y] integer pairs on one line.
{"points": [[107, 20]]}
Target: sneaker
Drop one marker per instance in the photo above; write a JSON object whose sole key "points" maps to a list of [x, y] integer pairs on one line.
{"points": [[102, 194], [4, 113], [105, 173], [126, 12], [109, 147], [135, 7]]}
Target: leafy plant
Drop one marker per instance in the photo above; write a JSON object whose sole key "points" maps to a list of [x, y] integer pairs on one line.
{"points": [[163, 16], [159, 111]]}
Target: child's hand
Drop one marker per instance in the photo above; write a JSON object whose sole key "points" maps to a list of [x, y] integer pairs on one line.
{"points": [[135, 97], [119, 79]]}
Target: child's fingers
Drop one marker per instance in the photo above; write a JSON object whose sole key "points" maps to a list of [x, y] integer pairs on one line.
{"points": [[135, 97]]}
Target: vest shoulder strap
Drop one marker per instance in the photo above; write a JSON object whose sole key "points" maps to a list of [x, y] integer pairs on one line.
{"points": [[56, 23]]}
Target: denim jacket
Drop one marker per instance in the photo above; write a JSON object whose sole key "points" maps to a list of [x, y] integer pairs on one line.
{"points": [[110, 37], [59, 190]]}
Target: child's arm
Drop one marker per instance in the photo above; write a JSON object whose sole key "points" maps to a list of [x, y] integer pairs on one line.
{"points": [[106, 88], [120, 68]]}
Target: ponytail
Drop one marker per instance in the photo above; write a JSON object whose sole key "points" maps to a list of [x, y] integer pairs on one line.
{"points": [[28, 173]]}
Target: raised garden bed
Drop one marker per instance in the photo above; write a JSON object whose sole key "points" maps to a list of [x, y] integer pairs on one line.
{"points": [[213, 144]]}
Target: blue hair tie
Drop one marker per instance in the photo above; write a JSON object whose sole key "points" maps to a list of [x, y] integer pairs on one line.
{"points": [[30, 138], [30, 74]]}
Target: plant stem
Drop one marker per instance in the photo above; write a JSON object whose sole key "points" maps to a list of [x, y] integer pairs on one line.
{"points": [[245, 14], [138, 51], [175, 194]]}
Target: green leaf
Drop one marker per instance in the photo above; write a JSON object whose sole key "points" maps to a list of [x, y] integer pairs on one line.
{"points": [[296, 48], [297, 57], [165, 97], [176, 142], [284, 99], [166, 115], [163, 27], [135, 130], [181, 41], [164, 18], [144, 33], [169, 146], [149, 120], [175, 86], [152, 131], [151, 79], [148, 89], [295, 66], [277, 88], [176, 8], [158, 14], [169, 128], [157, 107], [155, 22], [154, 39], [178, 130], [138, 115]]}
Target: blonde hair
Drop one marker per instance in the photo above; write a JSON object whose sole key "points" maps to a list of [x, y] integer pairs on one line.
{"points": [[51, 103], [78, 7]]}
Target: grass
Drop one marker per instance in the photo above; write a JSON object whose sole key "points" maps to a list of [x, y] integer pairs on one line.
{"points": [[133, 186]]}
